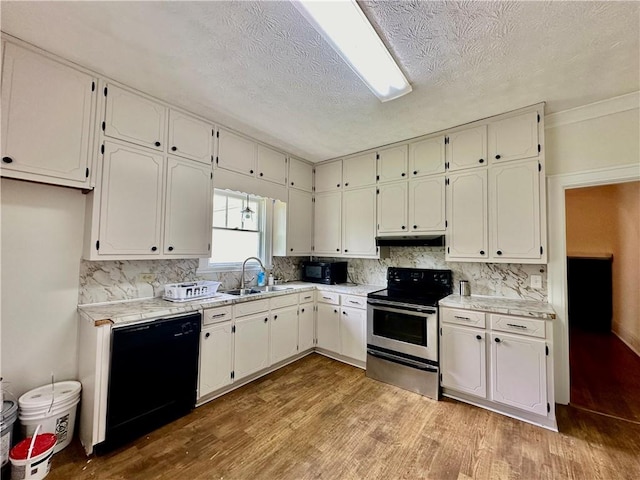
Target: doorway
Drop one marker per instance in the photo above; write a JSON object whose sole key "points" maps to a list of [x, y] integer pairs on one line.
{"points": [[603, 285]]}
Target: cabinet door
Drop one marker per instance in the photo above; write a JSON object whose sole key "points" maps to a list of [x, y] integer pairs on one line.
{"points": [[134, 118], [300, 175], [392, 208], [328, 176], [236, 153], [327, 224], [514, 138], [306, 327], [359, 222], [299, 223], [426, 157], [514, 206], [46, 119], [215, 358], [519, 372], [188, 204], [251, 350], [467, 231], [328, 327], [463, 359], [353, 343], [190, 137], [272, 165], [283, 334], [131, 201], [359, 171], [426, 204], [392, 164], [467, 148]]}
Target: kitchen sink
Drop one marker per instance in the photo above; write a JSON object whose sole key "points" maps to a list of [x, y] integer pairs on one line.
{"points": [[245, 291], [275, 288]]}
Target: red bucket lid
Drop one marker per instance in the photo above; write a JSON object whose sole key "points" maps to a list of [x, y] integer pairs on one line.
{"points": [[44, 442]]}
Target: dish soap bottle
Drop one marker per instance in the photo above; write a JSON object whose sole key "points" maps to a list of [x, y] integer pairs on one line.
{"points": [[261, 279], [270, 279]]}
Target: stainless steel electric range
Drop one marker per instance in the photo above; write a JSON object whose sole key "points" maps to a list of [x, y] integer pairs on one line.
{"points": [[402, 329]]}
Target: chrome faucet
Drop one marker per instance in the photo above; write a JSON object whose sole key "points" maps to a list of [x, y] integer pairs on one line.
{"points": [[242, 288]]}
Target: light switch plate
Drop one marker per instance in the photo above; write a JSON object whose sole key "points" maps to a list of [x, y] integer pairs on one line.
{"points": [[536, 281]]}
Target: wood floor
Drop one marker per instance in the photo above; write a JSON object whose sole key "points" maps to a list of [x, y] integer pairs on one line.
{"points": [[605, 375], [318, 418]]}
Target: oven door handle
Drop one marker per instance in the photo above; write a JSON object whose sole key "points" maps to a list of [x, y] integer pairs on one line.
{"points": [[402, 308], [403, 361]]}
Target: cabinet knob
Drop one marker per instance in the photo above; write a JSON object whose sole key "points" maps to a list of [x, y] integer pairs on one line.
{"points": [[481, 252], [346, 184], [335, 311], [266, 320], [7, 159], [415, 172], [345, 250], [338, 185], [275, 317], [170, 249], [174, 148], [250, 171], [303, 310], [403, 227], [344, 313], [337, 249], [292, 184], [403, 174], [499, 252], [497, 340], [497, 157], [207, 335], [478, 337], [157, 144], [291, 249], [153, 249], [481, 160], [261, 174], [415, 226]]}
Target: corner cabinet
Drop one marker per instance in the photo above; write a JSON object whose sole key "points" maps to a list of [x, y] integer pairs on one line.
{"points": [[327, 224], [48, 111]]}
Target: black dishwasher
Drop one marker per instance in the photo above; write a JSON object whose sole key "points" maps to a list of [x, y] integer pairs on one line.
{"points": [[152, 378]]}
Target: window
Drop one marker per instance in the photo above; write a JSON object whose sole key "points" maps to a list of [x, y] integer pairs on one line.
{"points": [[237, 235]]}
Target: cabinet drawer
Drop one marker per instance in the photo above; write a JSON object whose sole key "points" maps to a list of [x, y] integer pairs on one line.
{"points": [[247, 308], [306, 297], [284, 301], [328, 297], [524, 326], [354, 301], [217, 315], [469, 318]]}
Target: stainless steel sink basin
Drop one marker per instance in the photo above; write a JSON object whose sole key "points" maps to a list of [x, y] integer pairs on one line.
{"points": [[245, 291], [275, 288]]}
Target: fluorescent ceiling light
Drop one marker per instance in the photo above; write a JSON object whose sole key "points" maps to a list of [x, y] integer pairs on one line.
{"points": [[348, 31]]}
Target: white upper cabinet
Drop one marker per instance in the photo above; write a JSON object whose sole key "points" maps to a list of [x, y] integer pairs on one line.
{"points": [[299, 223], [47, 110], [328, 176], [467, 148], [131, 202], [359, 222], [190, 137], [359, 171], [188, 216], [327, 224], [271, 165], [236, 153], [392, 164], [427, 204], [514, 138], [467, 230], [300, 175], [134, 118], [427, 157], [392, 208], [514, 211]]}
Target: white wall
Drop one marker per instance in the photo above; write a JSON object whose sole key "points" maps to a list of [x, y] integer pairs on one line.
{"points": [[42, 234]]}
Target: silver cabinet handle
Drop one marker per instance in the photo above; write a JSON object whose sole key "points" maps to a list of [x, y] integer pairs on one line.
{"points": [[516, 326]]}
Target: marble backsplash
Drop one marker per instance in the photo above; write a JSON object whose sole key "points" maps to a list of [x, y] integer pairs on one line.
{"points": [[130, 279]]}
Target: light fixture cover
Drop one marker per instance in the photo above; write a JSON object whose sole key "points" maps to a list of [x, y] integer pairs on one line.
{"points": [[343, 24]]}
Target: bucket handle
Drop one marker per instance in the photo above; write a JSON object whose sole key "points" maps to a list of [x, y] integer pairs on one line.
{"points": [[33, 441]]}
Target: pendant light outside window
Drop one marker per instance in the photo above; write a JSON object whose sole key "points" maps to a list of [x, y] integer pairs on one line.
{"points": [[346, 28], [247, 213]]}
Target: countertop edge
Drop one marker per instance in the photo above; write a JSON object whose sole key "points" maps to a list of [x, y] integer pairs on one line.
{"points": [[507, 306]]}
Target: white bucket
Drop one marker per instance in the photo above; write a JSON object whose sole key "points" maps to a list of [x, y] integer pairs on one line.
{"points": [[8, 415], [60, 422], [55, 406], [43, 397], [31, 458]]}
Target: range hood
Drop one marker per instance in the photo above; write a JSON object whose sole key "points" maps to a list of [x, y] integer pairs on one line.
{"points": [[411, 241]]}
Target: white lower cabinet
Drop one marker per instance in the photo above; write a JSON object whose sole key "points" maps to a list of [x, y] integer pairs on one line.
{"points": [[283, 334], [505, 366], [215, 358], [306, 326], [519, 372], [251, 344], [328, 327], [353, 322]]}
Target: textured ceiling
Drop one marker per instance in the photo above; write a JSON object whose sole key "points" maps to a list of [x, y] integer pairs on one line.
{"points": [[260, 68]]}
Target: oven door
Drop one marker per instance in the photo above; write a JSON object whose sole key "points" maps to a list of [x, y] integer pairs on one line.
{"points": [[408, 329]]}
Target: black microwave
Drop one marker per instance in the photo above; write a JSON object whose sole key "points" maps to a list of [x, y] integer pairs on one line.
{"points": [[329, 273]]}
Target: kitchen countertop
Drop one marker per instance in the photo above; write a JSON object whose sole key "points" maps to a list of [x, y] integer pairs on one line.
{"points": [[508, 306], [130, 311]]}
